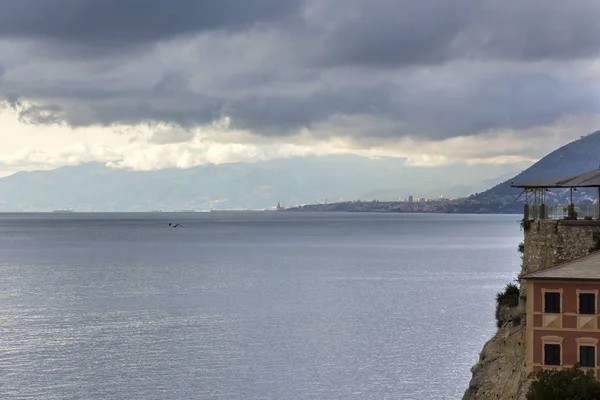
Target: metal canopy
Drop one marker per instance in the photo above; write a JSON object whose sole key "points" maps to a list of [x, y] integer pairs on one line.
{"points": [[587, 179]]}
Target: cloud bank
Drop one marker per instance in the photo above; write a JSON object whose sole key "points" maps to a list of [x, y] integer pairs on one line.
{"points": [[435, 81]]}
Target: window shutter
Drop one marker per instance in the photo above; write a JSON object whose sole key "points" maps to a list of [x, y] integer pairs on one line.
{"points": [[586, 356], [587, 303], [552, 354], [552, 301]]}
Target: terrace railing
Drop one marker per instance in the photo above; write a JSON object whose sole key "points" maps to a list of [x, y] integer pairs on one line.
{"points": [[560, 211]]}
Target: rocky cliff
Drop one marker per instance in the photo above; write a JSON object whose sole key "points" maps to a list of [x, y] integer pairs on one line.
{"points": [[500, 372]]}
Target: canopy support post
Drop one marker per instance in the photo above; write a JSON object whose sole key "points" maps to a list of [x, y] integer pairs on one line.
{"points": [[597, 208], [571, 207]]}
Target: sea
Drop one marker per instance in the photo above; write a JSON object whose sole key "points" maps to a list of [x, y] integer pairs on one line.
{"points": [[248, 305]]}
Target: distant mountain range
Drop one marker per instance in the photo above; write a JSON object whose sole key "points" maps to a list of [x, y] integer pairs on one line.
{"points": [[336, 180], [260, 185]]}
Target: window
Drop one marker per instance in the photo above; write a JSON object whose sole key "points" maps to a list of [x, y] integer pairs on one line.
{"points": [[587, 356], [552, 302], [587, 303], [552, 354]]}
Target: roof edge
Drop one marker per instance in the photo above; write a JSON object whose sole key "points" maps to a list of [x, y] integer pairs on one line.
{"points": [[527, 275], [566, 181]]}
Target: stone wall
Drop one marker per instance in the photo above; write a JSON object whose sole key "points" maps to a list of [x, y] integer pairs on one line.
{"points": [[551, 242]]}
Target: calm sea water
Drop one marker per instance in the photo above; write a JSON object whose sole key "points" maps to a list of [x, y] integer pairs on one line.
{"points": [[248, 305]]}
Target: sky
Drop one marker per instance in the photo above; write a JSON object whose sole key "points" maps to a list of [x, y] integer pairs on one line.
{"points": [[151, 84]]}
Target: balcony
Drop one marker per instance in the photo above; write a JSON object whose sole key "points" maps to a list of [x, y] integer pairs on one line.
{"points": [[536, 192]]}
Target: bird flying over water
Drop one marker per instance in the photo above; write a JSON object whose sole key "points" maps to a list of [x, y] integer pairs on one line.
{"points": [[175, 225]]}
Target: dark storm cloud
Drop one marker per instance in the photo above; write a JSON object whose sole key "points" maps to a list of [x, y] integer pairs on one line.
{"points": [[536, 30], [119, 23], [408, 32], [277, 114], [500, 100], [391, 32], [277, 66], [339, 32]]}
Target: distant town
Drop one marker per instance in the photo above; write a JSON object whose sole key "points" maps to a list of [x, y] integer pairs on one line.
{"points": [[416, 199], [410, 204]]}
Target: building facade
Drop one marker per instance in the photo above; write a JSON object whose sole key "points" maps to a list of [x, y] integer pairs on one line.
{"points": [[562, 317]]}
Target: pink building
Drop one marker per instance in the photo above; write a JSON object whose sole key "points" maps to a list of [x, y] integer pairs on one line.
{"points": [[562, 315]]}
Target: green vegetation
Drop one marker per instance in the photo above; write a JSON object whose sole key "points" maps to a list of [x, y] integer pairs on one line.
{"points": [[521, 250], [567, 384], [507, 298], [510, 291]]}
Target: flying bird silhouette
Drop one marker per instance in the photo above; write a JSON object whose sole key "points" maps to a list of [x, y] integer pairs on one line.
{"points": [[175, 225]]}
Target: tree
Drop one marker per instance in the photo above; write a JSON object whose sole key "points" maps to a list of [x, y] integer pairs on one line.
{"points": [[566, 384]]}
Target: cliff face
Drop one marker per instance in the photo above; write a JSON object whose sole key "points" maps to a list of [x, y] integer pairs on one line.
{"points": [[500, 372]]}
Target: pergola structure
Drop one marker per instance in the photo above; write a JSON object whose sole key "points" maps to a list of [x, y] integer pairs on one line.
{"points": [[537, 189]]}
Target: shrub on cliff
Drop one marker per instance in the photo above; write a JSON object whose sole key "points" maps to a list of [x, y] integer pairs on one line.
{"points": [[567, 384], [511, 292], [507, 298]]}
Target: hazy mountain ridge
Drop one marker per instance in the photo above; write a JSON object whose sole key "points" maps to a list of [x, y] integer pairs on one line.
{"points": [[573, 158], [299, 180]]}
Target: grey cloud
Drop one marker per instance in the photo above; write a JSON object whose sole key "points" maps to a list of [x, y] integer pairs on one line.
{"points": [[41, 114], [536, 30], [404, 108], [393, 33], [180, 113], [414, 109], [33, 113], [114, 24], [305, 63], [277, 115], [496, 101], [327, 32], [174, 135], [252, 79], [390, 32]]}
